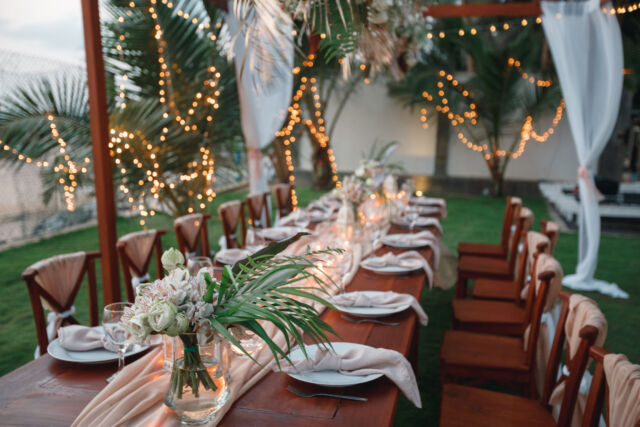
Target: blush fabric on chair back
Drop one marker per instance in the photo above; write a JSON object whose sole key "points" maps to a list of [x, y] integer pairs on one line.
{"points": [[53, 283], [525, 219], [511, 212], [231, 215], [258, 207], [584, 325], [135, 250], [616, 383], [284, 199], [191, 232], [552, 231]]}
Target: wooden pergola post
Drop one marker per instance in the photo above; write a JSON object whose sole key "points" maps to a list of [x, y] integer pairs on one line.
{"points": [[99, 121]]}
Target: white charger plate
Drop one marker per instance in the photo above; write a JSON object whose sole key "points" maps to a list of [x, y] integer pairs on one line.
{"points": [[90, 357], [329, 378], [420, 222], [389, 270], [371, 312], [395, 240]]}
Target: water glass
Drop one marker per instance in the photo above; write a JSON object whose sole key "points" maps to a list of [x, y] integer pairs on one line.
{"points": [[115, 333]]}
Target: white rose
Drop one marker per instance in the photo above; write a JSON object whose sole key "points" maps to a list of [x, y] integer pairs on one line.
{"points": [[179, 326], [179, 278], [172, 259], [161, 315], [360, 171], [138, 327]]}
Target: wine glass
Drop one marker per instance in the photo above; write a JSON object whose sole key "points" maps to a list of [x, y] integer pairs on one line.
{"points": [[411, 214], [115, 333], [196, 263], [254, 240], [301, 220]]}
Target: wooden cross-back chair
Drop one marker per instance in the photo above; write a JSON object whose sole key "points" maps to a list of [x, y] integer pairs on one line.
{"points": [[510, 289], [258, 208], [483, 357], [464, 405], [192, 234], [500, 250], [135, 250], [478, 267], [231, 215], [502, 317], [54, 283], [284, 199], [599, 396]]}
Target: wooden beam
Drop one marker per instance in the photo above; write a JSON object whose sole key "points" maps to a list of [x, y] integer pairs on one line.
{"points": [[482, 9], [99, 121]]}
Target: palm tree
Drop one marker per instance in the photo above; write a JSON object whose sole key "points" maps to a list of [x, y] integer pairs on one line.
{"points": [[492, 106], [172, 107]]}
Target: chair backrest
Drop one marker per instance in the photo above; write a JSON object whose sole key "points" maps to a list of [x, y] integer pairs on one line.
{"points": [[135, 250], [284, 199], [586, 335], [53, 283], [523, 224], [552, 231], [508, 220], [231, 215], [191, 232], [616, 386], [258, 208]]}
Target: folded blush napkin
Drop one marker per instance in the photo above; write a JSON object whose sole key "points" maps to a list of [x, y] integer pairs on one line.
{"points": [[381, 300], [280, 233], [423, 238], [363, 361], [410, 259], [231, 256], [84, 338]]}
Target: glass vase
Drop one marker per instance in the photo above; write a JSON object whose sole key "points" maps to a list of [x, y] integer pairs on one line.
{"points": [[199, 384]]}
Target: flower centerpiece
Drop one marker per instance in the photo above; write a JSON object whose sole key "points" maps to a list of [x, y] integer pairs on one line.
{"points": [[265, 287]]}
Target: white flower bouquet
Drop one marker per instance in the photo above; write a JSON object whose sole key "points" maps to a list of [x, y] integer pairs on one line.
{"points": [[262, 287]]}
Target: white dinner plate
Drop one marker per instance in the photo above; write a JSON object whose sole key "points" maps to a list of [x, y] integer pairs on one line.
{"points": [[371, 311], [282, 233], [399, 241], [90, 357], [389, 270], [329, 378], [427, 201], [420, 222], [231, 256]]}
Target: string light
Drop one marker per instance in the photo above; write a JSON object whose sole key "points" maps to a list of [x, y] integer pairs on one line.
{"points": [[294, 117], [23, 157], [621, 10], [516, 64], [471, 117]]}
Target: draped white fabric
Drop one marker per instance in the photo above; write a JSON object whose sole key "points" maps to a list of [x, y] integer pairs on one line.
{"points": [[586, 46], [263, 107]]}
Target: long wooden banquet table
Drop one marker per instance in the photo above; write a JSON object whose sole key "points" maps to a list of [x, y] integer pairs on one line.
{"points": [[50, 392]]}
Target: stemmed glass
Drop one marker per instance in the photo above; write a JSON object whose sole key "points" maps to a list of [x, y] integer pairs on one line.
{"points": [[254, 240], [412, 216], [302, 219], [115, 333], [196, 263]]}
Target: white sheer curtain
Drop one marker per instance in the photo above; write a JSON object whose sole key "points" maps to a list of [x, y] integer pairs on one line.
{"points": [[586, 46], [263, 108]]}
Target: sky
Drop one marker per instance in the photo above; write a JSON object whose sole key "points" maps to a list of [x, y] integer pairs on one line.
{"points": [[44, 28]]}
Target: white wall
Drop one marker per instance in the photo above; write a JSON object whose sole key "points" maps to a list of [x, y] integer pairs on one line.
{"points": [[371, 114]]}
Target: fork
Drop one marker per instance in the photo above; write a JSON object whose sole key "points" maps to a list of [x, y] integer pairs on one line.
{"points": [[379, 322], [336, 396]]}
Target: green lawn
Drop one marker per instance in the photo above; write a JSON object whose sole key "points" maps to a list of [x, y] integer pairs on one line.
{"points": [[470, 219]]}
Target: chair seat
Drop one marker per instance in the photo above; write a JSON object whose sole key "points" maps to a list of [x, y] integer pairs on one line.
{"points": [[481, 249], [492, 317], [468, 406], [477, 351], [494, 289], [472, 266]]}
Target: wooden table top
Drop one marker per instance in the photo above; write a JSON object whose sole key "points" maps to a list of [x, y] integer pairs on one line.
{"points": [[50, 392]]}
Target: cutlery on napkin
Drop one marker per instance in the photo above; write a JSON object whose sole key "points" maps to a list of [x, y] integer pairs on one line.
{"points": [[231, 256], [381, 300], [410, 259], [84, 338], [362, 361]]}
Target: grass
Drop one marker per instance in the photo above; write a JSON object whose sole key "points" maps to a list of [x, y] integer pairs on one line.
{"points": [[470, 219]]}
